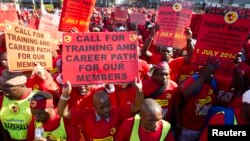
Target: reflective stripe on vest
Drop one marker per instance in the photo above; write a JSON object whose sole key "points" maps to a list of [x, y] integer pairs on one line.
{"points": [[135, 131], [15, 116], [59, 134], [235, 120]]}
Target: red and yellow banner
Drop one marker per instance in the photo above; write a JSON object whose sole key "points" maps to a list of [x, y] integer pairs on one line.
{"points": [[221, 36], [26, 46], [76, 13], [94, 58], [173, 18], [7, 12]]}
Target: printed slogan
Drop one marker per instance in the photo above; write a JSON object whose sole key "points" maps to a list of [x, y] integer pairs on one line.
{"points": [[221, 37], [173, 19], [108, 57], [26, 47]]}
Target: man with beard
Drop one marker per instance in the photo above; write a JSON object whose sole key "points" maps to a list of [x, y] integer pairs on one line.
{"points": [[162, 89]]}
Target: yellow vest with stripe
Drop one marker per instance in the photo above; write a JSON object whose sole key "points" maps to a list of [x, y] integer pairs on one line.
{"points": [[59, 134], [15, 116], [135, 131]]}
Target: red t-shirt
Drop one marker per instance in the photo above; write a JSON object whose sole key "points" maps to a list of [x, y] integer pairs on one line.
{"points": [[125, 131], [240, 120], [216, 119], [236, 103], [166, 99], [48, 85], [81, 101], [186, 70], [93, 129], [175, 66], [73, 133], [143, 69], [225, 91], [125, 95], [195, 108], [156, 58]]}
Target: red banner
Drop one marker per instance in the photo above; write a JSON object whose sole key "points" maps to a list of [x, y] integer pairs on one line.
{"points": [[7, 12], [96, 58], [173, 18], [221, 36], [121, 15], [138, 18], [195, 24], [76, 14]]}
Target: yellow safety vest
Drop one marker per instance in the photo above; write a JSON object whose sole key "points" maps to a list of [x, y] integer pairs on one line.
{"points": [[135, 131], [59, 134], [15, 116]]}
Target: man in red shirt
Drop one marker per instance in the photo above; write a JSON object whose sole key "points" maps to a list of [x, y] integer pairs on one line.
{"points": [[162, 89], [198, 96], [166, 53], [102, 121], [55, 127], [230, 86], [147, 126]]}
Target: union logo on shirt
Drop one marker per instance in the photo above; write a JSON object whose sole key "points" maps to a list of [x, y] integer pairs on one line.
{"points": [[112, 131], [210, 91], [36, 87], [168, 96], [15, 108]]}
